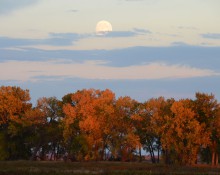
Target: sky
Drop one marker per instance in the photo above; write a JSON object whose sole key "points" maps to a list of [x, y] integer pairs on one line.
{"points": [[157, 48]]}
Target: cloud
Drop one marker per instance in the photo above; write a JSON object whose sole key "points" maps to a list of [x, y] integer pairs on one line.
{"points": [[179, 43], [11, 42], [61, 39], [65, 39], [122, 34], [142, 31], [36, 70], [211, 35], [118, 34], [201, 57], [54, 39], [8, 6]]}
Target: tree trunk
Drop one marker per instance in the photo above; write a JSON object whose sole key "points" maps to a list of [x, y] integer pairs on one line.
{"points": [[103, 157], [158, 150], [140, 156], [216, 159], [158, 155], [152, 153], [167, 157], [213, 158], [214, 153]]}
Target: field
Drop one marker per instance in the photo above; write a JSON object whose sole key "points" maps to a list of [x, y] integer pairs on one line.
{"points": [[108, 168]]}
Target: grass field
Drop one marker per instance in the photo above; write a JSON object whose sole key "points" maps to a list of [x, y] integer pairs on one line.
{"points": [[108, 168]]}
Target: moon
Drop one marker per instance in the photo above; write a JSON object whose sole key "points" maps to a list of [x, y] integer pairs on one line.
{"points": [[103, 27]]}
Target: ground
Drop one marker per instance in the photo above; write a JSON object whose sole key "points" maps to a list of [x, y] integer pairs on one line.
{"points": [[109, 168]]}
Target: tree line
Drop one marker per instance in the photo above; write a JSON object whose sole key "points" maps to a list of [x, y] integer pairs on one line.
{"points": [[93, 124]]}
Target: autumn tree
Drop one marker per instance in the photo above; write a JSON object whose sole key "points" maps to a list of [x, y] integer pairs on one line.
{"points": [[97, 122], [42, 125], [92, 124], [155, 111], [14, 102], [33, 122], [217, 130], [183, 133], [206, 108], [125, 139], [48, 132], [86, 122], [140, 123], [75, 144]]}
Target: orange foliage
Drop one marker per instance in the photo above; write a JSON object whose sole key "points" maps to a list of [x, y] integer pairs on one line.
{"points": [[91, 113], [183, 133], [98, 121], [14, 102], [102, 120]]}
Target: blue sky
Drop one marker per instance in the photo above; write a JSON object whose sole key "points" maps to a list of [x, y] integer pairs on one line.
{"points": [[157, 48]]}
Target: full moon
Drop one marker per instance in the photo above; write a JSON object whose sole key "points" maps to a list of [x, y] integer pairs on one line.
{"points": [[103, 27]]}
